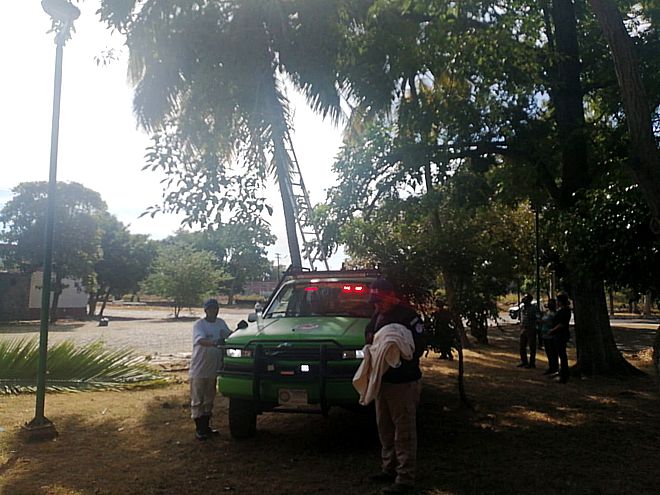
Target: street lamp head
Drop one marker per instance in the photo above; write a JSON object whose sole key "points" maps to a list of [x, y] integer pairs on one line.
{"points": [[61, 10]]}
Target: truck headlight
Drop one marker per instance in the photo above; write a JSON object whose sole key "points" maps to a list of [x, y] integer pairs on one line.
{"points": [[238, 353], [356, 354]]}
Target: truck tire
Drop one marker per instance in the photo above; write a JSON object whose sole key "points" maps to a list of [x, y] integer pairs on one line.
{"points": [[242, 418]]}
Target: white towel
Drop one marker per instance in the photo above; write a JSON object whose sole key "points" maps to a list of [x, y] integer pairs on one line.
{"points": [[392, 343]]}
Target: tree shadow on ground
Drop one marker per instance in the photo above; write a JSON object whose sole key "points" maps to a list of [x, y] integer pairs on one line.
{"points": [[604, 446], [529, 434], [156, 453], [526, 435]]}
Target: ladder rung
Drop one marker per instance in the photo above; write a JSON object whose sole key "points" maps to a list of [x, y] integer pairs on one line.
{"points": [[302, 208]]}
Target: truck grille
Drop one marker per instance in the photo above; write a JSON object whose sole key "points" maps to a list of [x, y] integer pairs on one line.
{"points": [[301, 353]]}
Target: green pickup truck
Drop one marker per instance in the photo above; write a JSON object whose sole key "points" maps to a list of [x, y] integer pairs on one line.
{"points": [[301, 352]]}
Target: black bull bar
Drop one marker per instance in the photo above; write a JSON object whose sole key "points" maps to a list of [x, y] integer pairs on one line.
{"points": [[267, 358]]}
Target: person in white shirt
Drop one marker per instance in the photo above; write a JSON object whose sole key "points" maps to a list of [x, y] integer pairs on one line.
{"points": [[208, 334]]}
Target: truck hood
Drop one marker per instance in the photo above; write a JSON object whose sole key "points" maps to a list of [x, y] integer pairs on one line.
{"points": [[346, 331]]}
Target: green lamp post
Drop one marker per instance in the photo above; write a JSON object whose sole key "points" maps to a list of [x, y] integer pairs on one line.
{"points": [[63, 13]]}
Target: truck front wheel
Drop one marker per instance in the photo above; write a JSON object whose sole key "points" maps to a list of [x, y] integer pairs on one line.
{"points": [[242, 418]]}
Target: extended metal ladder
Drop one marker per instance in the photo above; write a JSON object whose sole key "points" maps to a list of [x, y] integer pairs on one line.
{"points": [[302, 207]]}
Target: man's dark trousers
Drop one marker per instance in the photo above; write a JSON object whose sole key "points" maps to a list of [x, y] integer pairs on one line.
{"points": [[528, 338]]}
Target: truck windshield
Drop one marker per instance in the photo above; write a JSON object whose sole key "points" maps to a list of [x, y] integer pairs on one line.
{"points": [[302, 298]]}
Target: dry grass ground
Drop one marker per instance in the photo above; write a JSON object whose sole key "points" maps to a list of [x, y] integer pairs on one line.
{"points": [[527, 435]]}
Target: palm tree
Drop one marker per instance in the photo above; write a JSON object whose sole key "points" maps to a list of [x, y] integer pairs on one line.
{"points": [[213, 72], [70, 368]]}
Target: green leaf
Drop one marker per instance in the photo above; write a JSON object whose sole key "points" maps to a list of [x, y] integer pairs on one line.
{"points": [[72, 368]]}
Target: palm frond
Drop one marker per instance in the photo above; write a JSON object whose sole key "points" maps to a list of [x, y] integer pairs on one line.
{"points": [[72, 368]]}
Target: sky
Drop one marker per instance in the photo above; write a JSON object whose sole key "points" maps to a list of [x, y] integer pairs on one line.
{"points": [[100, 145]]}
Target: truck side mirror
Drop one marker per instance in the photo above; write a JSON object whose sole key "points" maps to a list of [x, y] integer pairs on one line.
{"points": [[242, 324]]}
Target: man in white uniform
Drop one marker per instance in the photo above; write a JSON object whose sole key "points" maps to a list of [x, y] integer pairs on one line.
{"points": [[208, 334]]}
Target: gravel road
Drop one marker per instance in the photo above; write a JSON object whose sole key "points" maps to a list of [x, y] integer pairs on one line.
{"points": [[148, 331]]}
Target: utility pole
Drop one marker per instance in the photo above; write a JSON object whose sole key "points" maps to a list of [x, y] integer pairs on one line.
{"points": [[63, 13], [537, 257], [277, 255]]}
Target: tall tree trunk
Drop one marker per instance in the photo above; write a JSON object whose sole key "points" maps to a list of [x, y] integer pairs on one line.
{"points": [[648, 297], [91, 303], [645, 161], [54, 306], [105, 301], [611, 294], [553, 285], [57, 291], [597, 353], [461, 379], [451, 304], [596, 349], [632, 305], [428, 179], [232, 291], [567, 96]]}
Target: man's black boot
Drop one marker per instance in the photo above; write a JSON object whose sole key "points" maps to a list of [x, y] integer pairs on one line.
{"points": [[210, 432], [200, 429]]}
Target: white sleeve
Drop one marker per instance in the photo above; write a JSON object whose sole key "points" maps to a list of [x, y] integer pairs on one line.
{"points": [[224, 329], [198, 333]]}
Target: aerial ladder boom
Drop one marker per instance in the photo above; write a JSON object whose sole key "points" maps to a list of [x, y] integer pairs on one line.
{"points": [[309, 232]]}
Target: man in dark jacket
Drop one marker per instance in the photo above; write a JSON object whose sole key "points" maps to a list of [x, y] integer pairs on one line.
{"points": [[444, 330], [562, 334], [397, 399]]}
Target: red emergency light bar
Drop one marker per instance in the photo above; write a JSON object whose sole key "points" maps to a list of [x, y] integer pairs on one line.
{"points": [[359, 289]]}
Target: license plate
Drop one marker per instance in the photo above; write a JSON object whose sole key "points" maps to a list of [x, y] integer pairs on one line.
{"points": [[292, 397]]}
